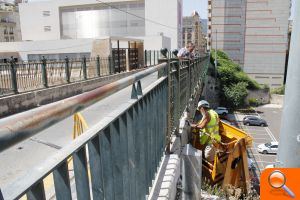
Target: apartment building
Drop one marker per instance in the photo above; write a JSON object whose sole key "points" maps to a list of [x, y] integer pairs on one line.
{"points": [[75, 19], [192, 32], [254, 33], [9, 23]]}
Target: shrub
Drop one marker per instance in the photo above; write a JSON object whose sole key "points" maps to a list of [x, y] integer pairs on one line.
{"points": [[253, 102], [233, 80], [243, 77], [236, 94], [279, 90]]}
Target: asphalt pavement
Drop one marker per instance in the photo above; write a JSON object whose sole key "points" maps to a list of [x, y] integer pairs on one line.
{"points": [[19, 159], [272, 114]]}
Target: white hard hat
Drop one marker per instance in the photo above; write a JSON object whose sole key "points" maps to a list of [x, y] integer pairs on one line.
{"points": [[203, 104]]}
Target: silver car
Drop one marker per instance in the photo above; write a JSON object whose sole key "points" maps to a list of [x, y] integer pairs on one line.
{"points": [[254, 120]]}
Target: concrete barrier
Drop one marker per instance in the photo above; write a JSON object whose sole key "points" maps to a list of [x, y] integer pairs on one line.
{"points": [[262, 95], [21, 102], [277, 99]]}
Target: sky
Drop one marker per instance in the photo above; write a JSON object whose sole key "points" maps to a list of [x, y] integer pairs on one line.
{"points": [[199, 5]]}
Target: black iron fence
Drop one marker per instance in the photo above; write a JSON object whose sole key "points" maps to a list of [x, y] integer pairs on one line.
{"points": [[17, 77]]}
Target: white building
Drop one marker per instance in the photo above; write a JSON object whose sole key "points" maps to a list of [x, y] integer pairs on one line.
{"points": [[9, 23], [254, 34], [75, 19]]}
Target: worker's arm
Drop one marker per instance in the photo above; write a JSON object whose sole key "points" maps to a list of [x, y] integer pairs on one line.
{"points": [[204, 121]]}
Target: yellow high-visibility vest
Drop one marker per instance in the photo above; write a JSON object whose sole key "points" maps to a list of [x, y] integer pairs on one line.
{"points": [[212, 127]]}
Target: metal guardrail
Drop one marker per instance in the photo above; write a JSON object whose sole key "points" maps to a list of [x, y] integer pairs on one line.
{"points": [[118, 157], [18, 77]]}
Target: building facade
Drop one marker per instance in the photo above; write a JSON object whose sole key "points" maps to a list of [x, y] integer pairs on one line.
{"points": [[75, 19], [192, 32], [9, 23], [254, 34]]}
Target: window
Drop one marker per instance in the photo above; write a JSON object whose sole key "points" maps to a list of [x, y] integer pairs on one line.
{"points": [[46, 13], [11, 30], [47, 28], [12, 38], [5, 30], [6, 38]]}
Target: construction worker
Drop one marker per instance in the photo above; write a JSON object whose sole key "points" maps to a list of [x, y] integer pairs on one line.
{"points": [[209, 129]]}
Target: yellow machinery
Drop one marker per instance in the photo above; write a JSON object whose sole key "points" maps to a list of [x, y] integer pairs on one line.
{"points": [[230, 165]]}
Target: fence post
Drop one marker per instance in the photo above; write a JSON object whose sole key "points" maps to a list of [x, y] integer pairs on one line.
{"points": [[13, 73], [111, 65], [178, 92], [67, 69], [98, 65], [44, 72], [146, 58], [150, 57], [84, 67], [190, 79], [168, 134]]}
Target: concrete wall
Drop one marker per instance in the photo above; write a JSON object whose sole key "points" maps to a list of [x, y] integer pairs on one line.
{"points": [[25, 101], [167, 12], [277, 99], [261, 95]]}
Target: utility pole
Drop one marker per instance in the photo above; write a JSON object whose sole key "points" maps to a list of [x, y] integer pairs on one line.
{"points": [[289, 145]]}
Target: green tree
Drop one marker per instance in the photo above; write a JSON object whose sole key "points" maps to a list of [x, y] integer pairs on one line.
{"points": [[235, 94]]}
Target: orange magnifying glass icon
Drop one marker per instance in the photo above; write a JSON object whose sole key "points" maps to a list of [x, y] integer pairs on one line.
{"points": [[277, 180]]}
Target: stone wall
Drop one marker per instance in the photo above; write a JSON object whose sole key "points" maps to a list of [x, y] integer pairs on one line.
{"points": [[262, 96]]}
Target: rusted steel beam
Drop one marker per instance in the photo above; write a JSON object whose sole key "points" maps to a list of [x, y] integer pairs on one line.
{"points": [[21, 126]]}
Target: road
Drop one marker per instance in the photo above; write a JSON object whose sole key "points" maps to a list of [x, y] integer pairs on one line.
{"points": [[272, 114], [19, 159]]}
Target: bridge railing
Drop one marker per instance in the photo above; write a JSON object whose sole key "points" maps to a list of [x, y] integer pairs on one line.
{"points": [[119, 156], [18, 77]]}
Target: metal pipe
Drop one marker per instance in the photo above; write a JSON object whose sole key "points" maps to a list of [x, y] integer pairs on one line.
{"points": [[289, 146], [21, 126]]}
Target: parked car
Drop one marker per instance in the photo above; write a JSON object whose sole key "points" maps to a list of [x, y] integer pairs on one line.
{"points": [[270, 147], [254, 120], [221, 110]]}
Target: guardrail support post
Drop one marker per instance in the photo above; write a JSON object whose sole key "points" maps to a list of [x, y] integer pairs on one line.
{"points": [[150, 58], [13, 73], [44, 72], [134, 93], [111, 65], [67, 69], [146, 58], [84, 68], [98, 65], [177, 95], [190, 79], [139, 88]]}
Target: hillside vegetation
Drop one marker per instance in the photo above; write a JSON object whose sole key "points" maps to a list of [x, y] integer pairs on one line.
{"points": [[233, 81]]}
